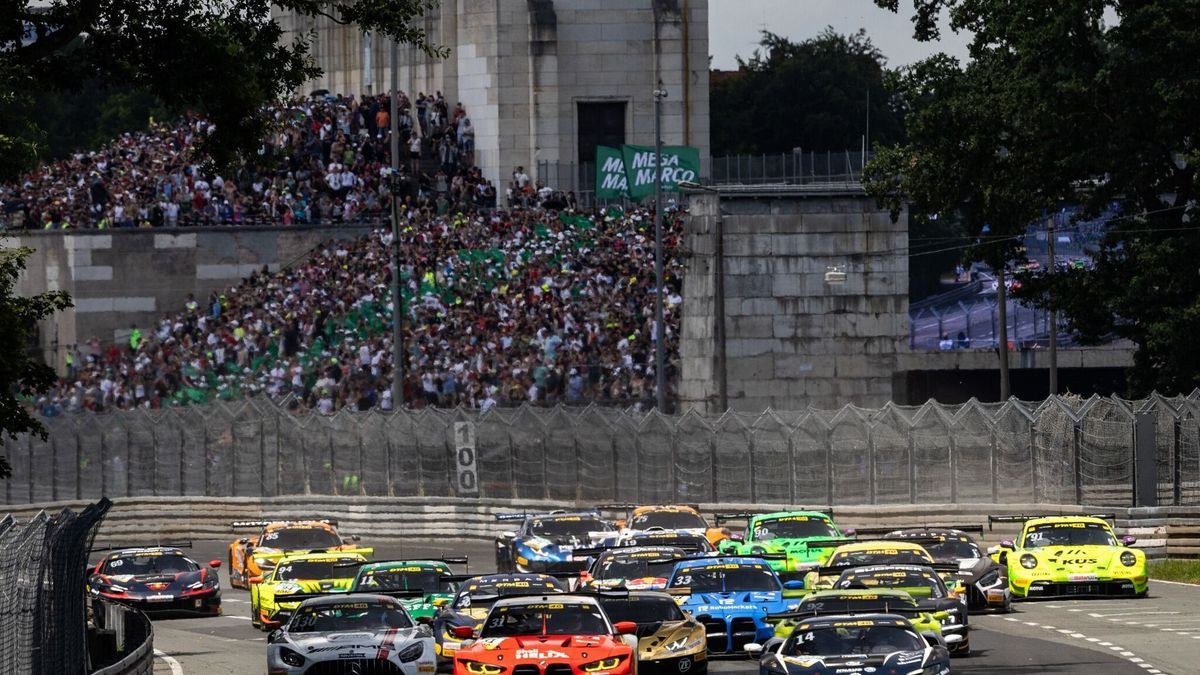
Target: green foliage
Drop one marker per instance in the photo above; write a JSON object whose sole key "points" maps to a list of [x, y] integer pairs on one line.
{"points": [[1183, 571], [812, 95]]}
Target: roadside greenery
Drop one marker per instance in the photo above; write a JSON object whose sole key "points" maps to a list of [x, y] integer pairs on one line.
{"points": [[1185, 571]]}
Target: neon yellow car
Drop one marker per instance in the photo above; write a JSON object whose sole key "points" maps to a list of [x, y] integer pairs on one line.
{"points": [[861, 554], [276, 595], [1074, 556]]}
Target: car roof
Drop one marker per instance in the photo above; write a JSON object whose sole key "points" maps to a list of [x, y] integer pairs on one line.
{"points": [[636, 595], [925, 531], [564, 516], [323, 557], [143, 550], [556, 598], [340, 598], [1066, 519], [514, 576], [643, 552]]}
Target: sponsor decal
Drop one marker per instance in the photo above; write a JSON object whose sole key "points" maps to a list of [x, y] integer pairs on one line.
{"points": [[535, 654]]}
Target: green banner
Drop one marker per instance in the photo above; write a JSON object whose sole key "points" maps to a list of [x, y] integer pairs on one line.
{"points": [[610, 174], [680, 163]]}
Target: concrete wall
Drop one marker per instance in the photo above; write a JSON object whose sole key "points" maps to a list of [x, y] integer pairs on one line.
{"points": [[520, 67], [120, 278], [794, 338]]}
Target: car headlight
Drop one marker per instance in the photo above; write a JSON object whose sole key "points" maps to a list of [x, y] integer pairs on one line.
{"points": [[411, 653], [1128, 559], [290, 657], [482, 668], [287, 587], [602, 665], [683, 644], [989, 579], [1028, 561]]}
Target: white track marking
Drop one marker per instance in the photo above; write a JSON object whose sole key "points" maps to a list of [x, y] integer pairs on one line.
{"points": [[1174, 583], [176, 669]]}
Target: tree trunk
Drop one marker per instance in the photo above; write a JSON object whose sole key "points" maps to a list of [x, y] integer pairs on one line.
{"points": [[1002, 334]]}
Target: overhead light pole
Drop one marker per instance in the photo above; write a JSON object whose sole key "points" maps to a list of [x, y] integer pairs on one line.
{"points": [[718, 294], [660, 373]]}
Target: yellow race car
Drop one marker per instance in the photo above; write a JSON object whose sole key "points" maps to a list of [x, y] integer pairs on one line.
{"points": [[274, 596], [1072, 556]]}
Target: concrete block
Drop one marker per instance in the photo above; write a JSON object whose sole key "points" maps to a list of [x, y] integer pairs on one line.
{"points": [[134, 304], [89, 305], [93, 273], [187, 240], [750, 348], [740, 327]]}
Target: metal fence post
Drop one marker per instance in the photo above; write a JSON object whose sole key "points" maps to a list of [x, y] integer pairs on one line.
{"points": [[1075, 433], [1145, 459], [791, 450], [993, 467], [1177, 454], [828, 466], [262, 458], [954, 470], [912, 468], [674, 438], [753, 471], [78, 466], [871, 463], [714, 496], [1033, 460], [104, 468]]}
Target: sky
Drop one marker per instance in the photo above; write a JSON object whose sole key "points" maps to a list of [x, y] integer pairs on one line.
{"points": [[734, 27]]}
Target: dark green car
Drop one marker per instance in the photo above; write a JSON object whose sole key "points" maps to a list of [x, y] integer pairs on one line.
{"points": [[793, 541], [422, 586]]}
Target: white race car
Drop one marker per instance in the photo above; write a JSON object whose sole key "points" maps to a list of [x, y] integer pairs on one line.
{"points": [[351, 633]]}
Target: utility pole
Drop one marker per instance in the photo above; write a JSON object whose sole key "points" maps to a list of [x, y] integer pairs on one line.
{"points": [[660, 373], [397, 296], [1053, 314]]}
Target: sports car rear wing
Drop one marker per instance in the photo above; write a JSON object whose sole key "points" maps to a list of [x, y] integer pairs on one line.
{"points": [[831, 608], [831, 542], [720, 518], [1033, 516], [301, 597], [143, 547], [459, 560], [517, 517], [245, 524]]}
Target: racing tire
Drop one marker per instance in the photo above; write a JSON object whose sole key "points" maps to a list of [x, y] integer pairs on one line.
{"points": [[963, 649], [231, 583]]}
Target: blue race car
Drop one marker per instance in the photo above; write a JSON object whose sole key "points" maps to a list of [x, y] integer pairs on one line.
{"points": [[546, 542], [732, 596]]}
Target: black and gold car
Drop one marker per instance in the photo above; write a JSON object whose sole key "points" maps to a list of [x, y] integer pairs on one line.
{"points": [[668, 641]]}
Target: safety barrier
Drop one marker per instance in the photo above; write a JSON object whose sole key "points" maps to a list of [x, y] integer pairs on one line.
{"points": [[122, 640]]}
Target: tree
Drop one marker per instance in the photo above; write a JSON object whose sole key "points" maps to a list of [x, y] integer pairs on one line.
{"points": [[224, 59], [811, 95]]}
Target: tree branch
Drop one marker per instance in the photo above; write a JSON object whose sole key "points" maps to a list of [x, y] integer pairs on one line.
{"points": [[45, 45]]}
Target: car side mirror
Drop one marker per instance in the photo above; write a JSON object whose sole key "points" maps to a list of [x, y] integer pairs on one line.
{"points": [[794, 585], [440, 602], [1128, 540], [931, 640], [255, 580], [849, 532], [753, 649], [625, 627], [243, 540], [952, 639], [1008, 544], [214, 563], [355, 537], [275, 636], [463, 632]]}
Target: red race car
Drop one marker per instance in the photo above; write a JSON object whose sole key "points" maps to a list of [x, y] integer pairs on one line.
{"points": [[547, 634]]}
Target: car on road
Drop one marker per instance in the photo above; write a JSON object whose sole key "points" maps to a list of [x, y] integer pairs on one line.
{"points": [[986, 581], [667, 641], [546, 634], [422, 586], [641, 568], [157, 579], [863, 553], [804, 539], [1072, 556], [351, 633], [684, 518], [253, 556], [870, 643], [276, 594], [926, 587], [475, 598], [544, 542], [731, 597], [854, 602]]}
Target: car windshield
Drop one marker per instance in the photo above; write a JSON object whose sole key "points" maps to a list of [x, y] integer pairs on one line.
{"points": [[549, 618], [572, 526], [641, 610], [349, 616], [668, 520], [880, 556], [1069, 534], [148, 564], [616, 567], [725, 579], [835, 640], [858, 603], [425, 579], [484, 594], [917, 584], [340, 568], [691, 543], [952, 550], [792, 527], [300, 538]]}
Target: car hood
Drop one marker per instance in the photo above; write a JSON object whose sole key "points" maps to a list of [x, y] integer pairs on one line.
{"points": [[740, 602], [540, 647], [342, 641], [859, 663], [653, 639], [149, 583], [1075, 559]]}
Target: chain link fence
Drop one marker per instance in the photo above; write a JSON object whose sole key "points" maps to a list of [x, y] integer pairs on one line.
{"points": [[1061, 450], [43, 621]]}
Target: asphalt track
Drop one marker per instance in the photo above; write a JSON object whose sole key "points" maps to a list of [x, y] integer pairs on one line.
{"points": [[1160, 634]]}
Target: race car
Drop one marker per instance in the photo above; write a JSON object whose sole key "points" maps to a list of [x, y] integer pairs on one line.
{"points": [[804, 538], [867, 643], [358, 633], [860, 554], [475, 597], [274, 596], [923, 584], [683, 518], [157, 579], [546, 634], [635, 568], [667, 641], [731, 596], [688, 541], [1075, 556], [986, 580], [853, 602], [545, 541], [422, 586], [252, 556]]}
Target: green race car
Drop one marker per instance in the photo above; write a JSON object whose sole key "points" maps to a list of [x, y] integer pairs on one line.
{"points": [[794, 541], [422, 586], [277, 594], [874, 601], [1070, 556]]}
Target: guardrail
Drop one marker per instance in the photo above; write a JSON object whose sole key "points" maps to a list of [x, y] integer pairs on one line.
{"points": [[122, 642]]}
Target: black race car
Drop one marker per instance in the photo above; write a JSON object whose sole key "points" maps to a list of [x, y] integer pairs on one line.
{"points": [[985, 580], [925, 587], [157, 579]]}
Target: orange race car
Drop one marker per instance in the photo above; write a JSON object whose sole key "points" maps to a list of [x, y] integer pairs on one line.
{"points": [[674, 517], [547, 634], [252, 556]]}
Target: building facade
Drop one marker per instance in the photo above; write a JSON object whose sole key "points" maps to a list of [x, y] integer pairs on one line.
{"points": [[543, 81]]}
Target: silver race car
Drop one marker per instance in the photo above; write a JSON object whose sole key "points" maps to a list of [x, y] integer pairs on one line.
{"points": [[351, 633]]}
